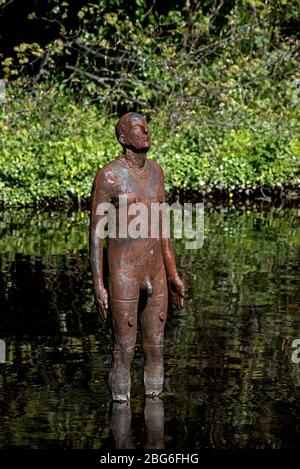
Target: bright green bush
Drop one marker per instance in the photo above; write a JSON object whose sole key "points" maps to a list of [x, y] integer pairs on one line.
{"points": [[51, 148]]}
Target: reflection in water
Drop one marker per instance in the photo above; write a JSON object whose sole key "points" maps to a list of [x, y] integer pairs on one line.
{"points": [[154, 424], [230, 381], [121, 425]]}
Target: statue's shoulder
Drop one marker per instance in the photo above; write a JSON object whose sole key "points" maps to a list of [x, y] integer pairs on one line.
{"points": [[107, 172], [156, 167]]}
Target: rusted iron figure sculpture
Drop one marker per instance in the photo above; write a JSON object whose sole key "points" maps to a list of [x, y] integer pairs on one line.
{"points": [[141, 269]]}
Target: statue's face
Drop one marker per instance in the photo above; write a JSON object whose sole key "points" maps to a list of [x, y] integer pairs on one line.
{"points": [[136, 134]]}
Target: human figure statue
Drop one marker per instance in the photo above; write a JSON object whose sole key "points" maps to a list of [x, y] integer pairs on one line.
{"points": [[140, 269]]}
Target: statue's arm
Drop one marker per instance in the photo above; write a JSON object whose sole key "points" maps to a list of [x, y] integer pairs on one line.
{"points": [[176, 285], [99, 195]]}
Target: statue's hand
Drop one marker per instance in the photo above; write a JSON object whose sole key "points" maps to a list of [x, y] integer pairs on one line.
{"points": [[102, 301], [176, 288]]}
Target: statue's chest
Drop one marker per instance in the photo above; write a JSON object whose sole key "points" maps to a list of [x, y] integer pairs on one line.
{"points": [[137, 188]]}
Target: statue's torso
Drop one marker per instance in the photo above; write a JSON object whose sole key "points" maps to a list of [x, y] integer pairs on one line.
{"points": [[139, 186]]}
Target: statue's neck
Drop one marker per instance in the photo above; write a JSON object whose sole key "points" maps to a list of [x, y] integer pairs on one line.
{"points": [[136, 160]]}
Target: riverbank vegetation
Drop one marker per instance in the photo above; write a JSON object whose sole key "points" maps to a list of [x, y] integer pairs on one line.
{"points": [[219, 82]]}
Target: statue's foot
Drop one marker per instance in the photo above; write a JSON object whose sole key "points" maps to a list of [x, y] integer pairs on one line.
{"points": [[120, 398], [153, 387], [152, 394], [119, 384]]}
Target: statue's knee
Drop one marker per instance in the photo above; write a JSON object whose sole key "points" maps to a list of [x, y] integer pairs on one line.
{"points": [[124, 352]]}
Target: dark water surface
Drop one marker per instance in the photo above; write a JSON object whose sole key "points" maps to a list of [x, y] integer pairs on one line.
{"points": [[230, 380]]}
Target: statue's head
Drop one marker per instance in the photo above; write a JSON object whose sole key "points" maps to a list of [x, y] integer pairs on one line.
{"points": [[133, 132]]}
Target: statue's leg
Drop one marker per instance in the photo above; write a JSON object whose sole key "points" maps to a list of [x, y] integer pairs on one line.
{"points": [[153, 320], [124, 304]]}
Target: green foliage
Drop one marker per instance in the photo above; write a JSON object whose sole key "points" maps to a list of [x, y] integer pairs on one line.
{"points": [[51, 148], [220, 83]]}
